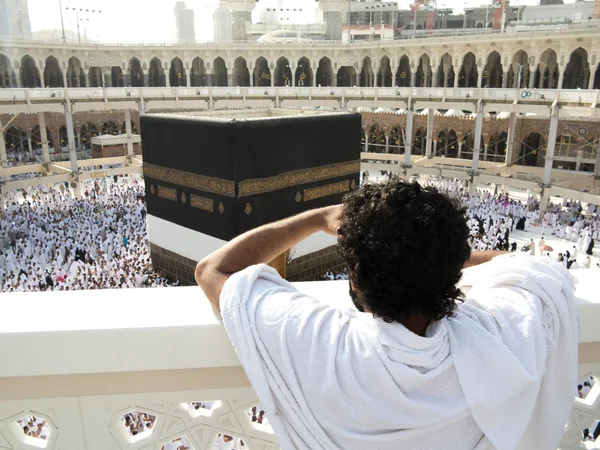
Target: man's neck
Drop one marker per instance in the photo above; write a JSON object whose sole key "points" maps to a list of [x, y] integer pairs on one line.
{"points": [[417, 323]]}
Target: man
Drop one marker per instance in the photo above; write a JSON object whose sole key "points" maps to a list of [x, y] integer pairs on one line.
{"points": [[496, 371], [541, 245]]}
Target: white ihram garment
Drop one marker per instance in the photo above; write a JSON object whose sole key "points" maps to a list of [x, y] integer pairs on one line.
{"points": [[500, 374]]}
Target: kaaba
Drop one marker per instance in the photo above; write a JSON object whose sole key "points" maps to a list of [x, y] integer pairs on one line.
{"points": [[211, 176]]}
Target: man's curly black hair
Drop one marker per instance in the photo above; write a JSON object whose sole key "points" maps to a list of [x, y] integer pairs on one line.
{"points": [[405, 246]]}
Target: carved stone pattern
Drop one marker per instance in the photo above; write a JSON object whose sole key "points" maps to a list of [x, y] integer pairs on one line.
{"points": [[326, 190], [259, 186], [206, 204], [167, 193], [191, 180]]}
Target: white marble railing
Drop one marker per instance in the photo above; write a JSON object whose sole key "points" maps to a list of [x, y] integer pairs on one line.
{"points": [[81, 360]]}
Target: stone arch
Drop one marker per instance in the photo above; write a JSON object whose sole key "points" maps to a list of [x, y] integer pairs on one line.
{"points": [[468, 74], [304, 74], [53, 75], [325, 75], [262, 73], [156, 73], [423, 76], [497, 146], [7, 73], [241, 74], [136, 74], [177, 73], [366, 73], [492, 72], [531, 150], [519, 64], [283, 72], [384, 75], [346, 76], [219, 72], [577, 72], [198, 72], [447, 144], [109, 127], [116, 76], [29, 73], [75, 74], [547, 71], [403, 74], [419, 142], [445, 73]]}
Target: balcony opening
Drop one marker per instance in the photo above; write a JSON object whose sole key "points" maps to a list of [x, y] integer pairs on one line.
{"points": [[179, 443], [229, 442], [259, 419], [138, 425], [32, 430], [201, 409]]}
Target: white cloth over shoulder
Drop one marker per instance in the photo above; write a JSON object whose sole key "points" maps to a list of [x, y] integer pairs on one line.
{"points": [[498, 375]]}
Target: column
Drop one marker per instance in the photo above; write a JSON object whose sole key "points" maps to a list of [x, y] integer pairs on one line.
{"points": [[107, 78], [460, 144], [128, 132], [65, 79], [532, 71], [408, 137], [413, 78], [434, 148], [456, 77], [44, 137], [167, 77], [505, 79], [71, 141], [434, 80], [41, 72], [550, 147], [188, 78], [375, 73], [272, 78], [545, 197], [596, 166], [561, 77], [429, 141], [485, 151], [87, 77], [366, 140], [579, 160], [479, 76], [30, 148], [146, 78], [3, 159], [387, 143], [592, 77], [142, 110], [477, 140], [510, 139]]}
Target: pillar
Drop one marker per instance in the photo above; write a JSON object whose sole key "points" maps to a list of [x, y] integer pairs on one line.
{"points": [[434, 148], [532, 71], [479, 76], [510, 139], [429, 141], [477, 140], [71, 141], [293, 71], [505, 79], [42, 81], [408, 137], [167, 77], [561, 77], [460, 144], [579, 160], [64, 73], [366, 140], [592, 76], [142, 110], [434, 80], [188, 78], [596, 166], [552, 132], [387, 143], [87, 77], [44, 137], [485, 151], [29, 147], [3, 158], [272, 78], [413, 78], [128, 132], [545, 197], [375, 73], [456, 77]]}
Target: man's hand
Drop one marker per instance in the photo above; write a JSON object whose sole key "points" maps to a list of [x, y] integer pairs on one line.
{"points": [[333, 219]]}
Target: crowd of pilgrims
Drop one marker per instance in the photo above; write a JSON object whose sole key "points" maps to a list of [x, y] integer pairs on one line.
{"points": [[51, 241]]}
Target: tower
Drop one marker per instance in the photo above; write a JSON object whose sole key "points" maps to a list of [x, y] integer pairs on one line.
{"points": [[241, 13], [333, 11], [223, 30], [184, 18], [14, 19]]}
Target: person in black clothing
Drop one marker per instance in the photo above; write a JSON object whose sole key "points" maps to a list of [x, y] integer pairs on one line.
{"points": [[590, 248]]}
